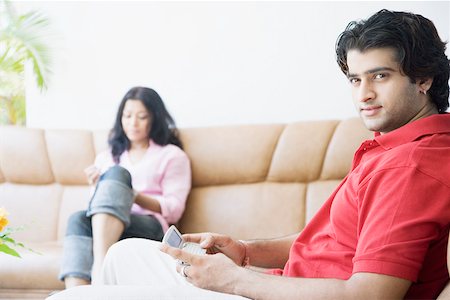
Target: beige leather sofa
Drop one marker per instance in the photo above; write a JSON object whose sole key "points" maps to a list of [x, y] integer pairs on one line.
{"points": [[249, 181]]}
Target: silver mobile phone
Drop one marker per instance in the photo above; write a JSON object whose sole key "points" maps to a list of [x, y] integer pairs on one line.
{"points": [[174, 239]]}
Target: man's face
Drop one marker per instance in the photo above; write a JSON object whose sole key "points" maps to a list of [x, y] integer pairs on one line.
{"points": [[384, 98]]}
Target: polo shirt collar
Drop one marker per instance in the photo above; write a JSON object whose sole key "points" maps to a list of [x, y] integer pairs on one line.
{"points": [[438, 123]]}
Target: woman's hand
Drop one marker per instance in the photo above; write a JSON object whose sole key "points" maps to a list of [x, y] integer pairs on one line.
{"points": [[218, 243], [92, 174]]}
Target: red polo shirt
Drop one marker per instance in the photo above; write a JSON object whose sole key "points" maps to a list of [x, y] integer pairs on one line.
{"points": [[390, 215]]}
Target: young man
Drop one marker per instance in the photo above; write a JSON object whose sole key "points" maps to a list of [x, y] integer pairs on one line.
{"points": [[383, 233]]}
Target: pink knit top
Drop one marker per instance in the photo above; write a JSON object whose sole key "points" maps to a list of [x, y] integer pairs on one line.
{"points": [[163, 173]]}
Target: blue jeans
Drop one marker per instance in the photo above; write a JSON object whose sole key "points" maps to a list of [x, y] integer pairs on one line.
{"points": [[113, 195]]}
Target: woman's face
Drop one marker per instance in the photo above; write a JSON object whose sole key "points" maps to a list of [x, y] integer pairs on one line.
{"points": [[136, 121]]}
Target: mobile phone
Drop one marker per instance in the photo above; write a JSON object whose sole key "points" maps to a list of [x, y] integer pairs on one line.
{"points": [[173, 238]]}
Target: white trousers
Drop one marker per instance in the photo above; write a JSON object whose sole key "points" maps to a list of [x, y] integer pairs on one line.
{"points": [[139, 262]]}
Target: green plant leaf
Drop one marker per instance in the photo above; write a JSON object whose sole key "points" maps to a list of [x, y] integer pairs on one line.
{"points": [[27, 30], [23, 39], [9, 240], [5, 249]]}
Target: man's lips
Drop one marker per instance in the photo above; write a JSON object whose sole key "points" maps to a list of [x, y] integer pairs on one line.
{"points": [[370, 110]]}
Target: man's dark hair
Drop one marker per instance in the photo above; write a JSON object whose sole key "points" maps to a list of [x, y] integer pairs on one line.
{"points": [[420, 52]]}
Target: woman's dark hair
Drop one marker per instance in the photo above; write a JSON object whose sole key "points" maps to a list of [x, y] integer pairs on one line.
{"points": [[163, 130], [420, 52]]}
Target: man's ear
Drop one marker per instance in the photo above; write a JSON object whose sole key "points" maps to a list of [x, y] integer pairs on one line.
{"points": [[424, 84]]}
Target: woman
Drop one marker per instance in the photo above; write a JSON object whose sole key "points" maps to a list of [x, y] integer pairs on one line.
{"points": [[142, 183]]}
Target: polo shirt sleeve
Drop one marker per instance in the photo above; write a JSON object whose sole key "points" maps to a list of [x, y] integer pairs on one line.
{"points": [[175, 185], [401, 211]]}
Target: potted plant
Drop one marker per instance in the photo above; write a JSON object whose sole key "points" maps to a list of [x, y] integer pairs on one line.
{"points": [[22, 42]]}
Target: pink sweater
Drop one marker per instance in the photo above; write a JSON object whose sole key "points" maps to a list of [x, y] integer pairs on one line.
{"points": [[164, 173]]}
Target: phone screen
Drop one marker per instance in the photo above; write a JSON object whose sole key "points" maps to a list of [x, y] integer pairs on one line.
{"points": [[174, 240]]}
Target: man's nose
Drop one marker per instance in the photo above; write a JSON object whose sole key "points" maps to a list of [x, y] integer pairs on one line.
{"points": [[365, 92]]}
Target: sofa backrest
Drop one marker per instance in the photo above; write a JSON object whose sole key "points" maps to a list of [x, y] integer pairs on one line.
{"points": [[249, 181], [41, 177], [262, 181]]}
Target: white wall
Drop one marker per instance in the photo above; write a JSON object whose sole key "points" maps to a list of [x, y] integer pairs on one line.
{"points": [[212, 62]]}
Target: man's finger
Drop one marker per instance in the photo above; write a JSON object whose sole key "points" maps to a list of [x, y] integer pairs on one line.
{"points": [[206, 240], [177, 253], [193, 237]]}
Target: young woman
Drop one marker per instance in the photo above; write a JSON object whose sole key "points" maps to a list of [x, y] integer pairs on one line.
{"points": [[141, 186]]}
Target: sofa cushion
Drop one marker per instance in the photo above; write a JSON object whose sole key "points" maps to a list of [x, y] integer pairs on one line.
{"points": [[318, 192], [70, 151], [35, 207], [23, 156], [230, 154], [28, 270], [73, 198], [244, 211], [304, 143], [346, 139]]}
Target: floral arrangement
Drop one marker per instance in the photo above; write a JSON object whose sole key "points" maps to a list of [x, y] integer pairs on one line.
{"points": [[7, 243]]}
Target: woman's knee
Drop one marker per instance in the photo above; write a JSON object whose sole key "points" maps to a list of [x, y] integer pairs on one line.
{"points": [[113, 196], [79, 224], [118, 173]]}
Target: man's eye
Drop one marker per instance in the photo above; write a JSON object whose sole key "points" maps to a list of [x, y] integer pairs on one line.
{"points": [[353, 80], [380, 76]]}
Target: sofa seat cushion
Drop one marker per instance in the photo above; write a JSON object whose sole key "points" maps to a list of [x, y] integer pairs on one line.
{"points": [[34, 271]]}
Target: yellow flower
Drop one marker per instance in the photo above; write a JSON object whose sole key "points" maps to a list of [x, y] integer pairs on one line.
{"points": [[3, 219], [7, 243]]}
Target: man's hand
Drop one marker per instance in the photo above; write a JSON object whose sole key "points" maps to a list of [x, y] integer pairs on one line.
{"points": [[214, 272], [92, 174], [218, 243], [219, 273]]}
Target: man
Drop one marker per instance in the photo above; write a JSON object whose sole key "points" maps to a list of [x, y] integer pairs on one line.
{"points": [[383, 233]]}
